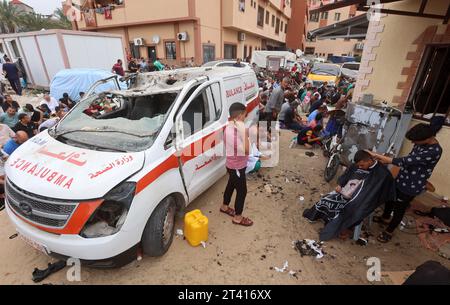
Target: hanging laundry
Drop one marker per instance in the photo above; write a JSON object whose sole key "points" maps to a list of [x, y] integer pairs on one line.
{"points": [[108, 14], [90, 18]]}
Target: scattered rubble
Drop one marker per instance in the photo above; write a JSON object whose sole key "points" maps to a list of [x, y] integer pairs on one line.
{"points": [[308, 247], [281, 270]]}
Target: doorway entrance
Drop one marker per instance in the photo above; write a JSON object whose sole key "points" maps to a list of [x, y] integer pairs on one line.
{"points": [[152, 53]]}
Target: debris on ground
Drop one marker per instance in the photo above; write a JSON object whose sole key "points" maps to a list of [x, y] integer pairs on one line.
{"points": [[310, 154], [293, 274], [180, 232], [281, 270], [40, 275], [13, 236], [362, 242], [203, 244], [302, 198], [308, 247], [444, 251], [268, 188]]}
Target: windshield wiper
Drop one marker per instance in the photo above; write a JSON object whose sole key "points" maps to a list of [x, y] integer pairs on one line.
{"points": [[93, 147], [62, 133]]}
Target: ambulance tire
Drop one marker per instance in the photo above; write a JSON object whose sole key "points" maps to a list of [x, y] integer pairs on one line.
{"points": [[160, 228]]}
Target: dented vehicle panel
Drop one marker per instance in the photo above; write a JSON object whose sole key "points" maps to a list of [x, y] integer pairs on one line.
{"points": [[110, 176]]}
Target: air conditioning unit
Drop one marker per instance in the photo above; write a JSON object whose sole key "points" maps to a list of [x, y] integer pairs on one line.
{"points": [[241, 36], [183, 36], [359, 46], [139, 41]]}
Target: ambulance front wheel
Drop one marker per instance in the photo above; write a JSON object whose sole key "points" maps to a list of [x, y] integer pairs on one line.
{"points": [[159, 231]]}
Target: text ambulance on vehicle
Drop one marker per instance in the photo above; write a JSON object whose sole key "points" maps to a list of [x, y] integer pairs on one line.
{"points": [[111, 176]]}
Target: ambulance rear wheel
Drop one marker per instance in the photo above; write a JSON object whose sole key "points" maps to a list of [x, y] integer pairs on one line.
{"points": [[159, 231]]}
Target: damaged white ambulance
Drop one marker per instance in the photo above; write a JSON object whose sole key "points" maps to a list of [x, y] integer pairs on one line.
{"points": [[111, 176]]}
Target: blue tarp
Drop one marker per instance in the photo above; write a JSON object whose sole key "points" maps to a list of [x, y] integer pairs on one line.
{"points": [[74, 81]]}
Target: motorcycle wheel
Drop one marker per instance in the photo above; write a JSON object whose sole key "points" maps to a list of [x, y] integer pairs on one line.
{"points": [[332, 168]]}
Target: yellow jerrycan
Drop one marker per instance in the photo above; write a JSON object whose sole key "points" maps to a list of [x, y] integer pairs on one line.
{"points": [[195, 227]]}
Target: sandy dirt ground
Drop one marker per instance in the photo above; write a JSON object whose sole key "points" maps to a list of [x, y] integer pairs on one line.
{"points": [[237, 255]]}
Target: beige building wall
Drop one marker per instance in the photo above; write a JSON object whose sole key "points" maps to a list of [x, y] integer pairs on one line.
{"points": [[247, 21], [166, 32], [388, 47], [210, 24], [207, 22], [134, 12], [337, 47]]}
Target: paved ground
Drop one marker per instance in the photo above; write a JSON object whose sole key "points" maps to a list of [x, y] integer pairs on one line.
{"points": [[236, 255]]}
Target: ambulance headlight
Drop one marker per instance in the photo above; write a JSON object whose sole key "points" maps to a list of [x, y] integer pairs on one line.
{"points": [[110, 216]]}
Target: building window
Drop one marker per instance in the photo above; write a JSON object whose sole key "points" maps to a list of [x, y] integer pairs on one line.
{"points": [[267, 17], [430, 95], [14, 49], [277, 26], [273, 20], [314, 17], [230, 51], [337, 16], [324, 15], [285, 28], [209, 53], [260, 20], [310, 50], [242, 5], [134, 49], [171, 50], [282, 26]]}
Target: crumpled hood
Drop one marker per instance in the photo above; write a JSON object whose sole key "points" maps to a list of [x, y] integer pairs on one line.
{"points": [[49, 168]]}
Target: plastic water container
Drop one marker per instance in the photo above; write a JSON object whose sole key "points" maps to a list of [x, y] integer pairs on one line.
{"points": [[195, 228]]}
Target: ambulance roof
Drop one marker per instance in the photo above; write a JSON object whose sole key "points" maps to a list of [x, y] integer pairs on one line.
{"points": [[175, 80]]}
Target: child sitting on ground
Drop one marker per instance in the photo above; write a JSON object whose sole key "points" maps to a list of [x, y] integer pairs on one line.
{"points": [[309, 137]]}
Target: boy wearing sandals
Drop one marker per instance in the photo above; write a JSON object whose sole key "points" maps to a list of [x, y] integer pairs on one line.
{"points": [[237, 145], [415, 170]]}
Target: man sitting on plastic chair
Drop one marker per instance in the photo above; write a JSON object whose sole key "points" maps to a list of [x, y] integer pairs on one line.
{"points": [[362, 188]]}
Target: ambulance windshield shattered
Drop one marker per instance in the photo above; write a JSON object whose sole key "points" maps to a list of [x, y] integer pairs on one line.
{"points": [[114, 122]]}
